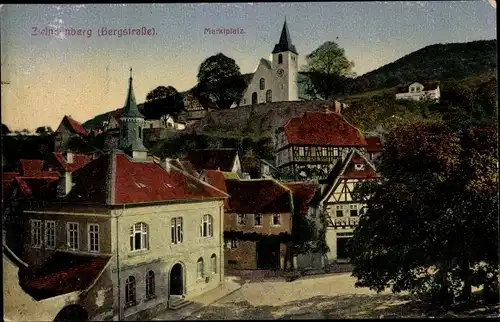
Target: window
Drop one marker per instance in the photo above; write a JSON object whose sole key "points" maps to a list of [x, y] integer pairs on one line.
{"points": [[93, 237], [199, 266], [130, 296], [262, 84], [242, 220], [254, 98], [50, 234], [301, 151], [177, 230], [276, 219], [206, 226], [354, 210], [280, 59], [258, 220], [340, 211], [150, 285], [140, 132], [139, 237], [213, 264], [36, 233], [231, 244], [282, 86], [244, 101], [72, 235], [269, 96]]}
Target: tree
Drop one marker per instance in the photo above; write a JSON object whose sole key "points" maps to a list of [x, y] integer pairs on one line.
{"points": [[327, 69], [5, 129], [219, 77], [163, 100], [42, 130], [431, 223]]}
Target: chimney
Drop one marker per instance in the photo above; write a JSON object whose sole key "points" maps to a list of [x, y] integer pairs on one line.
{"points": [[69, 157], [167, 164], [65, 184]]}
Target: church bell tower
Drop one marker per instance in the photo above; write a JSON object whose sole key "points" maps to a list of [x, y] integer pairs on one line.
{"points": [[285, 68], [132, 125]]}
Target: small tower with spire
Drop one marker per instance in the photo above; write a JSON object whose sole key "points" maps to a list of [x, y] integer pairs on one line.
{"points": [[285, 67], [132, 125]]}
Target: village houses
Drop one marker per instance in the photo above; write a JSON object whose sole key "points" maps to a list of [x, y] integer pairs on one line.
{"points": [[125, 239]]}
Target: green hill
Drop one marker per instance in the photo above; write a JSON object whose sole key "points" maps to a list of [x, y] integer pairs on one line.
{"points": [[435, 62]]}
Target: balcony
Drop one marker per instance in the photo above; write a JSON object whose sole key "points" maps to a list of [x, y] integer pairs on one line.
{"points": [[345, 222]]}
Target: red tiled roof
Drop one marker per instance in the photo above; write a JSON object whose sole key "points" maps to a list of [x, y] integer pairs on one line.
{"points": [[374, 144], [136, 182], [184, 165], [303, 193], [79, 160], [258, 196], [356, 159], [31, 167], [323, 129], [38, 187], [351, 173], [75, 125], [9, 176], [63, 273], [217, 179], [219, 159]]}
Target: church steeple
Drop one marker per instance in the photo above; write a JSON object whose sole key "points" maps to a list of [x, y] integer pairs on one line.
{"points": [[285, 42], [132, 124]]}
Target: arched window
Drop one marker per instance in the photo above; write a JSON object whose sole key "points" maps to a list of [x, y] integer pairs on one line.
{"points": [[280, 59], [269, 96], [150, 285], [130, 295], [139, 237], [254, 98], [199, 268], [262, 84], [213, 263], [206, 226]]}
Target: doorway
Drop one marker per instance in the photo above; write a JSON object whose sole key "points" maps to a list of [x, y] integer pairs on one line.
{"points": [[268, 255], [176, 280]]}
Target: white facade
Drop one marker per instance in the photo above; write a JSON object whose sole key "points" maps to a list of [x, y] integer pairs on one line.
{"points": [[164, 122], [417, 92], [161, 254]]}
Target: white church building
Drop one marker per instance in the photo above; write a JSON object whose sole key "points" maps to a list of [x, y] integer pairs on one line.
{"points": [[276, 80]]}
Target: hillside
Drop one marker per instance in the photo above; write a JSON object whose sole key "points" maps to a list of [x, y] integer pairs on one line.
{"points": [[435, 62]]}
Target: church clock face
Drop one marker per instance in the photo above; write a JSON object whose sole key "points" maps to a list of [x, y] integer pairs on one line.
{"points": [[280, 72]]}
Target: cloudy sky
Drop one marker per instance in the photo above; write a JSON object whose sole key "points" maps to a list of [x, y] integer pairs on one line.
{"points": [[86, 75]]}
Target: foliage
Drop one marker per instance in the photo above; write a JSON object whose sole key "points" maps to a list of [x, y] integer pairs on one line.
{"points": [[163, 100], [42, 130], [431, 222], [5, 129], [327, 71], [219, 77]]}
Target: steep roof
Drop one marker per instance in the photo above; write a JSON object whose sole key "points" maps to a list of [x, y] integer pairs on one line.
{"points": [[285, 42], [428, 86], [324, 129], [63, 273], [73, 125], [303, 194], [116, 179], [258, 196], [59, 161], [213, 159], [374, 144]]}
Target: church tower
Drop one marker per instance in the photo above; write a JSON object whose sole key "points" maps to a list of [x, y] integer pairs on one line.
{"points": [[132, 124], [285, 68]]}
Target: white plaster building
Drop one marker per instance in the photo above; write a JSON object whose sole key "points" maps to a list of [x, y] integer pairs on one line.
{"points": [[275, 80], [419, 91]]}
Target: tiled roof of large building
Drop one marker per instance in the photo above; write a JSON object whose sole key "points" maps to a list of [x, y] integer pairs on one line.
{"points": [[75, 126], [258, 196], [218, 180], [374, 144], [217, 159], [34, 183], [63, 273], [116, 179], [322, 129], [31, 167], [303, 194]]}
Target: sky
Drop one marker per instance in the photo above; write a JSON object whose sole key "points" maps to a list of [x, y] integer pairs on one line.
{"points": [[86, 75]]}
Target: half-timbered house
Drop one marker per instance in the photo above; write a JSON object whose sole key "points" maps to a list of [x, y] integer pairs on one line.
{"points": [[308, 147], [337, 202]]}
